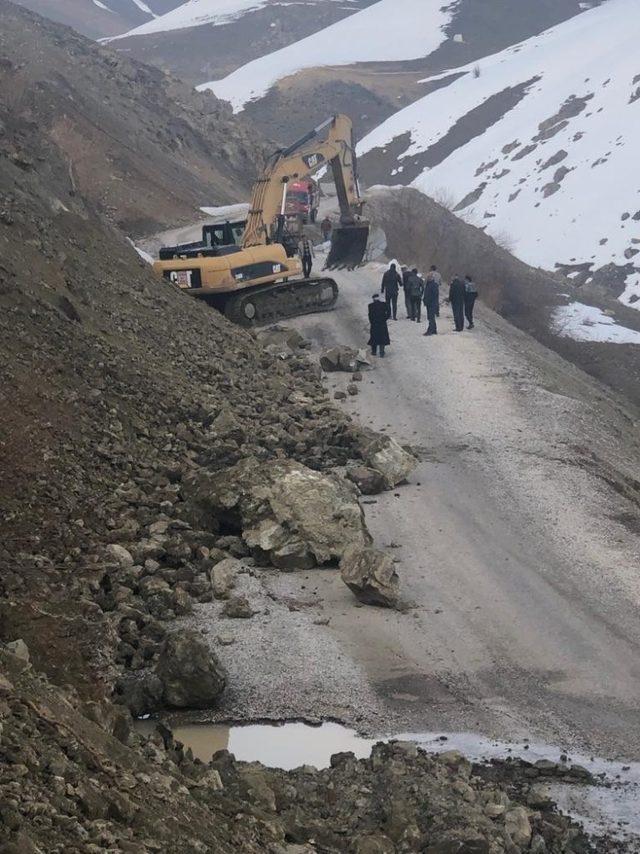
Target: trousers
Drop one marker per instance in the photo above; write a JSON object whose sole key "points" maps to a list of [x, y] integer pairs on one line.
{"points": [[392, 305]]}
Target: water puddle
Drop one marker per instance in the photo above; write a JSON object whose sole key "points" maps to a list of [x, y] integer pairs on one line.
{"points": [[613, 809], [284, 746]]}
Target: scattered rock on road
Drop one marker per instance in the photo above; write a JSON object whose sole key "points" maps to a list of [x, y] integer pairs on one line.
{"points": [[385, 455], [238, 608], [371, 576], [342, 358], [190, 674]]}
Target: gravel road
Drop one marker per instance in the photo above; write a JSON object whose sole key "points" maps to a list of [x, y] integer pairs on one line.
{"points": [[516, 543], [518, 535]]}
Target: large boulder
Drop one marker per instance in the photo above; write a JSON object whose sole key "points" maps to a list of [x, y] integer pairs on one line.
{"points": [[385, 455], [295, 517], [342, 358], [370, 574], [223, 577], [190, 674], [140, 691]]}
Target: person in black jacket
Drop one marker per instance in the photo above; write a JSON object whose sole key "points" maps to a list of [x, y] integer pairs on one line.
{"points": [[406, 272], [391, 283], [470, 297], [415, 284], [432, 303], [379, 331], [456, 300]]}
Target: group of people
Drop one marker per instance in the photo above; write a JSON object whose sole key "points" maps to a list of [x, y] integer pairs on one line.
{"points": [[418, 291]]}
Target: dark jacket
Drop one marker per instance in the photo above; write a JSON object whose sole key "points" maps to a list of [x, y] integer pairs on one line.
{"points": [[471, 289], [431, 293], [378, 316], [456, 291], [414, 286], [391, 282]]}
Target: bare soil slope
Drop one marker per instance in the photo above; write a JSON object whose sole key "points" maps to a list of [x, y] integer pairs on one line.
{"points": [[143, 149]]}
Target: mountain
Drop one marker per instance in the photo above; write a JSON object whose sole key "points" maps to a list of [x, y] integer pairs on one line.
{"points": [[202, 40], [370, 63], [147, 151], [100, 18], [537, 144]]}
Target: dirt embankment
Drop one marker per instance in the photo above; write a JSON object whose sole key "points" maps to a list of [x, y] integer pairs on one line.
{"points": [[144, 149], [420, 231]]}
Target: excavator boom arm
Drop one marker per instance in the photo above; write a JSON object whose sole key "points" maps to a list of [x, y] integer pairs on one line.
{"points": [[330, 144]]}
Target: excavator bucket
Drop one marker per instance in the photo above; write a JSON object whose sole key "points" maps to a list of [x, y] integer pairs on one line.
{"points": [[348, 246]]}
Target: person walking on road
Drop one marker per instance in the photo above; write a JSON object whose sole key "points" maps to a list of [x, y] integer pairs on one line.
{"points": [[307, 254], [435, 275], [378, 329], [326, 228], [406, 272], [391, 283], [470, 297], [456, 300], [432, 302], [415, 285]]}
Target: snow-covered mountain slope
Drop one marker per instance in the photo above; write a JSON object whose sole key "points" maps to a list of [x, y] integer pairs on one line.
{"points": [[387, 31], [208, 39], [196, 13], [100, 18], [539, 143]]}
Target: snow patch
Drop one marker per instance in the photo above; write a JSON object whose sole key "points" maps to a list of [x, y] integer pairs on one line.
{"points": [[390, 30], [144, 255], [232, 213], [558, 171], [587, 323]]}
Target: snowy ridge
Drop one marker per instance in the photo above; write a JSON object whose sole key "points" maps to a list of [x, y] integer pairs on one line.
{"points": [[390, 30], [198, 13], [195, 13], [540, 143]]}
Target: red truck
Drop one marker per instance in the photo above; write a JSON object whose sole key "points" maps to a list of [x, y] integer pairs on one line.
{"points": [[302, 200]]}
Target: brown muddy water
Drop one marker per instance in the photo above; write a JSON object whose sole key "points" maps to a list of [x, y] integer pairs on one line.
{"points": [[613, 808]]}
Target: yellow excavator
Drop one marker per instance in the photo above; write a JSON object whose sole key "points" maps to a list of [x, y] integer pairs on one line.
{"points": [[260, 279]]}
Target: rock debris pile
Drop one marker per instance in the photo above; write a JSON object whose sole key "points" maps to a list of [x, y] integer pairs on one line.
{"points": [[75, 779]]}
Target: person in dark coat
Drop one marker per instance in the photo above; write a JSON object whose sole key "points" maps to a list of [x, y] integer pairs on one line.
{"points": [[432, 303], [379, 331], [470, 297], [307, 254], [326, 227], [406, 272], [391, 283], [415, 285], [456, 300], [434, 274]]}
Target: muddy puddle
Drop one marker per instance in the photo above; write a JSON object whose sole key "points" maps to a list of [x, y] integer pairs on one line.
{"points": [[613, 808]]}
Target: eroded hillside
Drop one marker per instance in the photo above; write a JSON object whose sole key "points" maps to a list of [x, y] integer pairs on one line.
{"points": [[143, 149]]}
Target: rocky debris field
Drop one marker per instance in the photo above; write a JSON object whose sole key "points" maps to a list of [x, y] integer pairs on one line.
{"points": [[76, 779]]}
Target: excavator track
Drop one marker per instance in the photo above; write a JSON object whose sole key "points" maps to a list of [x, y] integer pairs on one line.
{"points": [[270, 303]]}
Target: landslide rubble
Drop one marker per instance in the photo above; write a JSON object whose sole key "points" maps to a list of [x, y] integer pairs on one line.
{"points": [[117, 392], [75, 779]]}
